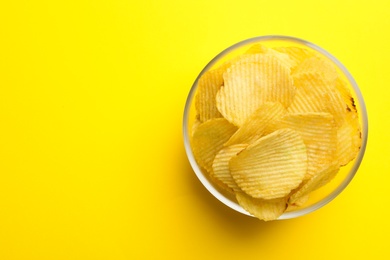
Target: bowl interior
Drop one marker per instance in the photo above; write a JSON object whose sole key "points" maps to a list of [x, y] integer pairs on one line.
{"points": [[319, 197]]}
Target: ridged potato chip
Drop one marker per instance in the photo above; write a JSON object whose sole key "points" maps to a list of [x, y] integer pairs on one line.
{"points": [[323, 176], [319, 133], [257, 48], [314, 94], [316, 65], [208, 86], [221, 170], [345, 93], [272, 166], [209, 137], [299, 202], [349, 139], [282, 57], [296, 54], [195, 126], [247, 85], [253, 128], [262, 209]]}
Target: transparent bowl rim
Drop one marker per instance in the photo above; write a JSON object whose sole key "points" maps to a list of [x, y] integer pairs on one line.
{"points": [[300, 212]]}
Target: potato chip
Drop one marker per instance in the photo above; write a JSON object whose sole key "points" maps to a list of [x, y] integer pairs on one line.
{"points": [[319, 133], [262, 209], [314, 94], [261, 49], [221, 170], [324, 175], [224, 66], [195, 126], [335, 106], [257, 48], [253, 128], [297, 204], [227, 64], [247, 85], [209, 138], [272, 166], [208, 86], [296, 54], [321, 67], [349, 139], [345, 93]]}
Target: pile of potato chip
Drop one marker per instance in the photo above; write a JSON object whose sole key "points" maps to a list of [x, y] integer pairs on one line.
{"points": [[273, 125]]}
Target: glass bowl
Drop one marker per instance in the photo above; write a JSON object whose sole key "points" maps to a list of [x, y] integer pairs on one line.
{"points": [[318, 198]]}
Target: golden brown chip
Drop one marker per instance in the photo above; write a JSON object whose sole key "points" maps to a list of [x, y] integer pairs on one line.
{"points": [[319, 133], [323, 176], [208, 86], [209, 138], [349, 139], [221, 170], [262, 209], [253, 128], [247, 85], [272, 166]]}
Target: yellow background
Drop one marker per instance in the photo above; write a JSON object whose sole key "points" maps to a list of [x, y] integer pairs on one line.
{"points": [[92, 162]]}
